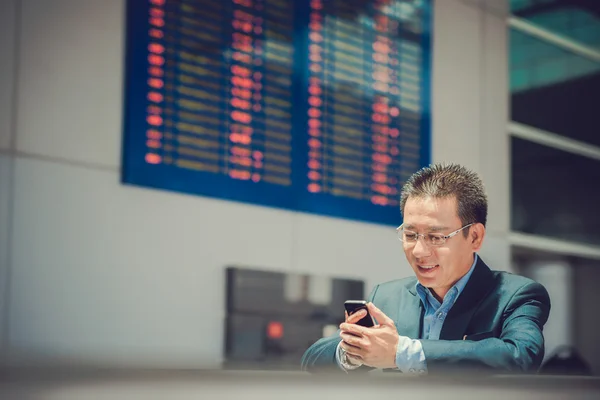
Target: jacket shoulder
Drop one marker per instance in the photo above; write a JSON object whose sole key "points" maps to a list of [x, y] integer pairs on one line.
{"points": [[512, 283]]}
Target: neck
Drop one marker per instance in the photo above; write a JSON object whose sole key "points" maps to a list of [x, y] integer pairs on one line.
{"points": [[440, 293]]}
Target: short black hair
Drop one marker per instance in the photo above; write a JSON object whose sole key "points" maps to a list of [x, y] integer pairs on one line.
{"points": [[449, 180]]}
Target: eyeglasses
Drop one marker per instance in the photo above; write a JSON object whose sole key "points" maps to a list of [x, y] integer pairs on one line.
{"points": [[432, 239]]}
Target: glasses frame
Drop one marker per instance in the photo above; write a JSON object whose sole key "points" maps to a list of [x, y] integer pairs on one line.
{"points": [[423, 235]]}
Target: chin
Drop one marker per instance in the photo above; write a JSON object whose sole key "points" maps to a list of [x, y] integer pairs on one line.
{"points": [[427, 282]]}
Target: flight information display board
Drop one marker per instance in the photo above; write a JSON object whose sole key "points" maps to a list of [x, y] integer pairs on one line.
{"points": [[319, 106]]}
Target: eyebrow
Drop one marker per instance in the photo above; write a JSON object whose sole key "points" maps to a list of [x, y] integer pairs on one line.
{"points": [[429, 229]]}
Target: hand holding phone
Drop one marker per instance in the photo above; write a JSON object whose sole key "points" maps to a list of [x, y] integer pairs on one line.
{"points": [[370, 344], [354, 306]]}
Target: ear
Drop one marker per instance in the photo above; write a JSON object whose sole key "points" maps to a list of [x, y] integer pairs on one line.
{"points": [[476, 236]]}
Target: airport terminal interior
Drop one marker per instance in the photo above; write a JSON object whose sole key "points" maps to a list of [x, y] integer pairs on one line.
{"points": [[191, 189]]}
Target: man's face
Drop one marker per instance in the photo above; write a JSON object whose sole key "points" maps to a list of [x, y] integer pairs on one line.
{"points": [[439, 267]]}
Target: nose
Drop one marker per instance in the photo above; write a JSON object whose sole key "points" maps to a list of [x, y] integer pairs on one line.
{"points": [[421, 249]]}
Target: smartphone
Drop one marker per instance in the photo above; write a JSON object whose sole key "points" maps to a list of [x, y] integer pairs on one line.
{"points": [[353, 306]]}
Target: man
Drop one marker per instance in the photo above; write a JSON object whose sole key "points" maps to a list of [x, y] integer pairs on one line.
{"points": [[456, 314]]}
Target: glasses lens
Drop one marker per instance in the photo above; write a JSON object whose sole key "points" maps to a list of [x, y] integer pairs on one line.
{"points": [[408, 236], [436, 240]]}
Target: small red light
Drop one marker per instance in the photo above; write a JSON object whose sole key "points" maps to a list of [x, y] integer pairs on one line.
{"points": [[275, 330]]}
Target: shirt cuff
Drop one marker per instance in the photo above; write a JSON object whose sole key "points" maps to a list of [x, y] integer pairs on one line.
{"points": [[410, 357], [338, 359]]}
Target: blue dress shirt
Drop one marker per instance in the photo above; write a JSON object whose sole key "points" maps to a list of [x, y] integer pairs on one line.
{"points": [[409, 353]]}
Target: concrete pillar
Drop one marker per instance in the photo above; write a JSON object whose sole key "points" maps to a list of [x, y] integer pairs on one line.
{"points": [[557, 277]]}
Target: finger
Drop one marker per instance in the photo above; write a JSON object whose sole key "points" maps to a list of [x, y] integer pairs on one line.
{"points": [[351, 340], [354, 329], [342, 332], [349, 334], [346, 316], [351, 350], [357, 316], [347, 346], [381, 318]]}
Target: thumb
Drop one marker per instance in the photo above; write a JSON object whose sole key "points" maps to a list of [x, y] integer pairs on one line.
{"points": [[381, 318]]}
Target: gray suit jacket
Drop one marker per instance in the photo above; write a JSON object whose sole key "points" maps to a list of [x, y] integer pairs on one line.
{"points": [[501, 314]]}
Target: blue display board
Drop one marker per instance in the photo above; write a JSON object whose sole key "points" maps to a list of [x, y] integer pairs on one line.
{"points": [[314, 106]]}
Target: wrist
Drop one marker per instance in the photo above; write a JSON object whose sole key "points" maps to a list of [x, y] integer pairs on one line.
{"points": [[348, 362], [353, 361], [394, 355]]}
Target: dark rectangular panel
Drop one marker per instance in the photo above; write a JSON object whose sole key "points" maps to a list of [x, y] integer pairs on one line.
{"points": [[554, 193]]}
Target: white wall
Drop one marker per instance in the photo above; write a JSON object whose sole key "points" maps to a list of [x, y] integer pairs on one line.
{"points": [[557, 277], [7, 75], [470, 105], [5, 194], [101, 272]]}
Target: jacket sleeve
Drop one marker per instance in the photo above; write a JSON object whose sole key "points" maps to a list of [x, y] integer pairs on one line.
{"points": [[321, 355], [520, 347]]}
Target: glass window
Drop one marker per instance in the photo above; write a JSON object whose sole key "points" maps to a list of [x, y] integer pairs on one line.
{"points": [[577, 20], [555, 193], [554, 89]]}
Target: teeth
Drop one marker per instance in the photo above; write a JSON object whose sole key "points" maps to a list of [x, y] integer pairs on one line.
{"points": [[428, 266]]}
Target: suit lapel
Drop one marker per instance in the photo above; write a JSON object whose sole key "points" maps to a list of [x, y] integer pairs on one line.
{"points": [[459, 316], [410, 316]]}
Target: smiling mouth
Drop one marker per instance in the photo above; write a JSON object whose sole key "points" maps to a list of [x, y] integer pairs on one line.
{"points": [[428, 268]]}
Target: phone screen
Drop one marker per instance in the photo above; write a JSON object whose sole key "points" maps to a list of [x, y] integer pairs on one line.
{"points": [[353, 306]]}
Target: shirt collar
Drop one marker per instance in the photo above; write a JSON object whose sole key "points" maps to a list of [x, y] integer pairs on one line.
{"points": [[458, 287]]}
